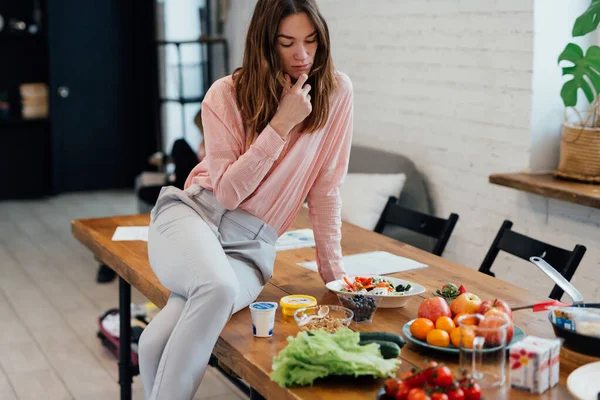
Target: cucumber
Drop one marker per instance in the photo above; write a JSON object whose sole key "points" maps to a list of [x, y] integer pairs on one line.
{"points": [[383, 336], [387, 349]]}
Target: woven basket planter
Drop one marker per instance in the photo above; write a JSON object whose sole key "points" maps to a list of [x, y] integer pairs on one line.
{"points": [[579, 154]]}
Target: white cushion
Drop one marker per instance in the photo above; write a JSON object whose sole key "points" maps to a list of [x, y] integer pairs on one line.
{"points": [[364, 196]]}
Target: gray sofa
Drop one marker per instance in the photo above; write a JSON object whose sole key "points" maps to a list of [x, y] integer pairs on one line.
{"points": [[414, 195]]}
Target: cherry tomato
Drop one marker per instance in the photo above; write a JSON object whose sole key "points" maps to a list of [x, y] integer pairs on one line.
{"points": [[417, 394], [472, 392], [465, 378], [455, 393], [439, 396], [442, 376], [428, 372], [391, 386], [402, 391], [414, 378]]}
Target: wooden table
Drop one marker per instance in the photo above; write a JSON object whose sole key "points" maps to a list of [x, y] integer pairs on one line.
{"points": [[250, 358]]}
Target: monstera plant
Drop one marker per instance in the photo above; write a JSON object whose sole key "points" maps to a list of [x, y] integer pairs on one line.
{"points": [[582, 65], [580, 143]]}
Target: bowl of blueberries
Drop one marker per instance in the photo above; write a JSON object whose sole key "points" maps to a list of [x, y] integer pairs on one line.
{"points": [[363, 306]]}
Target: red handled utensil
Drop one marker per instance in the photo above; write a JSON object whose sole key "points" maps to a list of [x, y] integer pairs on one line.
{"points": [[541, 306]]}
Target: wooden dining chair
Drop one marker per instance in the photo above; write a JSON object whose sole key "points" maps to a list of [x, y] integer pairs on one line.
{"points": [[425, 224], [524, 247]]}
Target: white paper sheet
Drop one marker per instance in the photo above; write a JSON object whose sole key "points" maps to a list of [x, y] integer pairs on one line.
{"points": [[131, 233], [373, 263], [295, 240]]}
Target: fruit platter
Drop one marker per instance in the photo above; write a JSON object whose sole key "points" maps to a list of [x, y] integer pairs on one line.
{"points": [[437, 324], [431, 382], [387, 291]]}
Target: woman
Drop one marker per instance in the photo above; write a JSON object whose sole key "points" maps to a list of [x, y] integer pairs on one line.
{"points": [[277, 132]]}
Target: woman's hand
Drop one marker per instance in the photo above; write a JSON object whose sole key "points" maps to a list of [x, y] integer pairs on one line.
{"points": [[294, 106]]}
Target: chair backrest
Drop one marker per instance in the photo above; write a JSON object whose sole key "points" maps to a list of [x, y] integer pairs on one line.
{"points": [[425, 224], [524, 247]]}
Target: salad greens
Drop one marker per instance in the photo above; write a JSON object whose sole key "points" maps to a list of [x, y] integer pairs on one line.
{"points": [[377, 285], [318, 354]]}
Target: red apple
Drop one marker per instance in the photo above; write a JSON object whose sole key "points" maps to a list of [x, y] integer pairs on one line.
{"points": [[433, 308], [495, 318], [468, 303], [495, 304]]}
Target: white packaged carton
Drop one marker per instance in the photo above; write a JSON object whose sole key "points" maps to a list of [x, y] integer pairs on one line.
{"points": [[554, 345], [530, 367]]}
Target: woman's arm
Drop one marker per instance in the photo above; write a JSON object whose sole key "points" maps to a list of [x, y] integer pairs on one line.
{"points": [[235, 176], [324, 202]]}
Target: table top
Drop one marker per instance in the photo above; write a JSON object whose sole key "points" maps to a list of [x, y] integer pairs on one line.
{"points": [[251, 358]]}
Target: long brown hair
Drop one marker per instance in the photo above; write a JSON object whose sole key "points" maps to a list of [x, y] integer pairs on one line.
{"points": [[259, 82]]}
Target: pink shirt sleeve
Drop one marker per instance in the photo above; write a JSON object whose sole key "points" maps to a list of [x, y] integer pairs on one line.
{"points": [[324, 202], [234, 175]]}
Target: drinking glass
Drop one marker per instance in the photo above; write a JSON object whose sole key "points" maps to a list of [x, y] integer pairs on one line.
{"points": [[483, 347]]}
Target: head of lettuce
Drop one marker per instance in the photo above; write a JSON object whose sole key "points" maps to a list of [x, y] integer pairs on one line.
{"points": [[318, 354]]}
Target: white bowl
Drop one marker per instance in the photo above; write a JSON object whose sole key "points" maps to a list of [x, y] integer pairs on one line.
{"points": [[389, 301]]}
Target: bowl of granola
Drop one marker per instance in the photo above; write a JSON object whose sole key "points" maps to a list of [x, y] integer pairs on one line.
{"points": [[338, 317]]}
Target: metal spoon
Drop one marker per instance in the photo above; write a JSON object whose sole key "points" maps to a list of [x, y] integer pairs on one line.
{"points": [[322, 313]]}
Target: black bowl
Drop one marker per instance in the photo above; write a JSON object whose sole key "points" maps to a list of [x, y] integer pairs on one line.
{"points": [[575, 341], [382, 396]]}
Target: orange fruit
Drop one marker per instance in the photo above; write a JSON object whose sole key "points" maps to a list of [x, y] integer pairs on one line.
{"points": [[456, 317], [469, 335], [466, 321], [455, 337], [438, 337], [445, 324], [421, 327]]}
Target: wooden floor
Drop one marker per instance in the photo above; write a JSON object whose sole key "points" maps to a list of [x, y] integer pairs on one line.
{"points": [[50, 303]]}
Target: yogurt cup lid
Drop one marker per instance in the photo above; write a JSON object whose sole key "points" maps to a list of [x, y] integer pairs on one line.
{"points": [[297, 301], [263, 306]]}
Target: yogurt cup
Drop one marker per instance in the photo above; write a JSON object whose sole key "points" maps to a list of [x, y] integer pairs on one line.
{"points": [[263, 318], [289, 304]]}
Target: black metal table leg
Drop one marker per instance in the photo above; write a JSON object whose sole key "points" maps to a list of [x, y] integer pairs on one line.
{"points": [[125, 375]]}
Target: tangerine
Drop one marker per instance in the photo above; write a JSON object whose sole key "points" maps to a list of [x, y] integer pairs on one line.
{"points": [[445, 324], [465, 321], [438, 337], [421, 327]]}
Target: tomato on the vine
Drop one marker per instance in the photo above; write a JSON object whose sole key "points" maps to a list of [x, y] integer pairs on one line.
{"points": [[417, 394], [455, 393], [402, 391], [428, 372], [472, 392], [414, 378], [442, 376], [439, 396], [465, 378], [391, 386]]}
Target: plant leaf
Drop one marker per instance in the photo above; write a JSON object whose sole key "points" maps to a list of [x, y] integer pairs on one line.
{"points": [[588, 21], [584, 66]]}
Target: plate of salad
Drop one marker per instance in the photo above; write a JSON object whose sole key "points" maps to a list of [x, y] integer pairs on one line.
{"points": [[393, 292]]}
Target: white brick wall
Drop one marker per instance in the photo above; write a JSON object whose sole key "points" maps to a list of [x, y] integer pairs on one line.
{"points": [[448, 83]]}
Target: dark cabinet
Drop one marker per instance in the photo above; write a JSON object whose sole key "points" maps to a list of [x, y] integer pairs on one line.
{"points": [[99, 62]]}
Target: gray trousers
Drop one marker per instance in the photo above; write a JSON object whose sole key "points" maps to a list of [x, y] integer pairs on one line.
{"points": [[215, 262]]}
